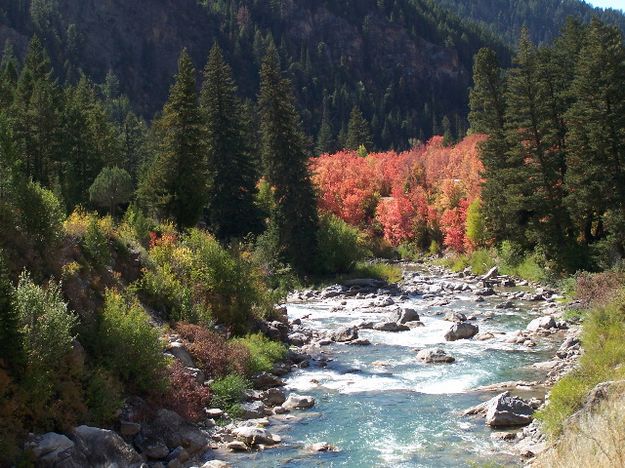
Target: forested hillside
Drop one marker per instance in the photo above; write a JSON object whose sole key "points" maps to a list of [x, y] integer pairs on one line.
{"points": [[543, 19], [406, 64]]}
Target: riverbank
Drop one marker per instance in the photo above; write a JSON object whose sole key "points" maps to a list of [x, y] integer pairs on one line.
{"points": [[382, 374]]}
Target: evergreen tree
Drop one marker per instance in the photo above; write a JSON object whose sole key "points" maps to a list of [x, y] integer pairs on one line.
{"points": [[37, 114], [231, 212], [595, 178], [10, 337], [325, 139], [358, 131], [487, 115], [8, 75], [175, 184], [286, 170]]}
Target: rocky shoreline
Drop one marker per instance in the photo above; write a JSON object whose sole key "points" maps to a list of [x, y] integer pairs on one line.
{"points": [[148, 437]]}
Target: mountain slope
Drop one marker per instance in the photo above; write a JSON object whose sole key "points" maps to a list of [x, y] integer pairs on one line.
{"points": [[543, 18], [405, 63]]}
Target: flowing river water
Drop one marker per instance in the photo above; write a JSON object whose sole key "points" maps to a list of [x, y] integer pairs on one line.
{"points": [[380, 406]]}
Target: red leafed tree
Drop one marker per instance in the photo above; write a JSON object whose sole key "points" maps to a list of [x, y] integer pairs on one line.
{"points": [[453, 226], [403, 216]]}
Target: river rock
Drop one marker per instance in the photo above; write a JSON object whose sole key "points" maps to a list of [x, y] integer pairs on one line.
{"points": [[345, 334], [435, 356], [298, 402], [506, 410], [174, 431], [253, 410], [390, 327], [265, 381], [50, 449], [408, 315], [505, 305], [252, 436], [129, 429], [541, 323], [492, 273], [455, 317], [215, 464], [484, 336], [273, 397], [360, 342], [298, 339], [214, 413], [102, 447], [237, 446], [321, 447], [365, 283], [460, 331]]}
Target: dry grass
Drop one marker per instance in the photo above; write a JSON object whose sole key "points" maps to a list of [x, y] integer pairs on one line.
{"points": [[597, 440]]}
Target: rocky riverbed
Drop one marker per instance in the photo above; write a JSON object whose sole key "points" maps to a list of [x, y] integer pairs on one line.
{"points": [[439, 370]]}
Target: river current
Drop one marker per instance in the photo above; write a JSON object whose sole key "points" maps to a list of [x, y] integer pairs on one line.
{"points": [[381, 407]]}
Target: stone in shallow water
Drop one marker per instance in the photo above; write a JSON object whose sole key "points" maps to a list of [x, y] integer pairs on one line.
{"points": [[345, 334], [435, 356], [460, 331], [321, 447], [408, 315], [298, 402], [455, 317], [391, 327], [506, 410]]}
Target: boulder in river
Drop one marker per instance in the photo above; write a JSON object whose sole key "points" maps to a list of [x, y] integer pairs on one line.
{"points": [[461, 331], [492, 273], [255, 435], [265, 381], [345, 334], [390, 327], [298, 402], [253, 410], [408, 315], [455, 317], [435, 356], [506, 410], [542, 323]]}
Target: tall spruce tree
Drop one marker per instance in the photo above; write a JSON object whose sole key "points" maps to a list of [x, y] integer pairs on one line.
{"points": [[10, 338], [38, 116], [8, 75], [358, 131], [285, 161], [175, 184], [535, 149], [595, 178], [487, 115], [231, 211], [326, 142]]}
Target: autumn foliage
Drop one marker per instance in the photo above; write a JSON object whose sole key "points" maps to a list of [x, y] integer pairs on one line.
{"points": [[416, 196]]}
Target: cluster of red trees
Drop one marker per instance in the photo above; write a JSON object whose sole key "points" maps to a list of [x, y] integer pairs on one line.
{"points": [[416, 196]]}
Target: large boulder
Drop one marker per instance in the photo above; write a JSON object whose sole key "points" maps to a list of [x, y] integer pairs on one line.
{"points": [[506, 410], [102, 447], [253, 410], [345, 334], [273, 397], [435, 356], [492, 273], [461, 331], [298, 402], [408, 315], [265, 381], [542, 323], [390, 327], [175, 432], [255, 435], [50, 449]]}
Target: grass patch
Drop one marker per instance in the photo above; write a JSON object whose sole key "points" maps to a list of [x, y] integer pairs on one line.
{"points": [[382, 271], [603, 358], [228, 393], [479, 261]]}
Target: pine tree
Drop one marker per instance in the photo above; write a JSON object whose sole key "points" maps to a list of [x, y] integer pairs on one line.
{"points": [[325, 138], [286, 170], [37, 114], [231, 212], [487, 115], [358, 131], [175, 184], [10, 338], [8, 75], [595, 178]]}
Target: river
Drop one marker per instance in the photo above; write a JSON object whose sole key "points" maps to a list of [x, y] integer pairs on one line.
{"points": [[380, 406]]}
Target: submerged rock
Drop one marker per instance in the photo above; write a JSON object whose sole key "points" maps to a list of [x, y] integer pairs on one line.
{"points": [[321, 447], [435, 356], [461, 331]]}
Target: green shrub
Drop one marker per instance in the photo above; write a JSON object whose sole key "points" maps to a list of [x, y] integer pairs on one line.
{"points": [[96, 244], [164, 291], [382, 271], [130, 345], [340, 245], [46, 327], [475, 228], [103, 395], [112, 187], [229, 392], [603, 359], [264, 353], [42, 215], [135, 226]]}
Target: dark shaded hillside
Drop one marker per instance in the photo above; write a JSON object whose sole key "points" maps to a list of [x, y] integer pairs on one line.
{"points": [[544, 18], [405, 63]]}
